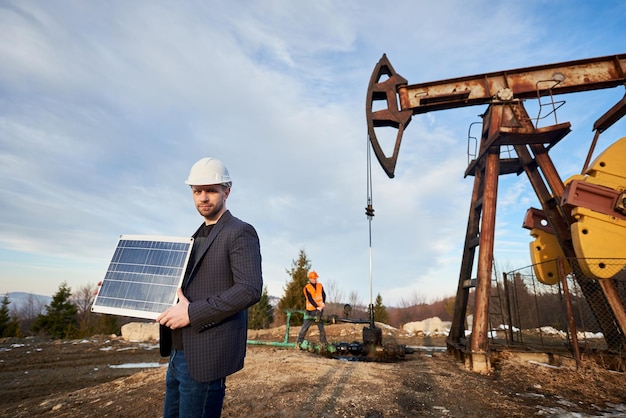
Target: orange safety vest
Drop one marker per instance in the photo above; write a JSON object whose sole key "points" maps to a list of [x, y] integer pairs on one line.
{"points": [[317, 292]]}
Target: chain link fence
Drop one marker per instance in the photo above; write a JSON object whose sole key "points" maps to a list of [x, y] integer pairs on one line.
{"points": [[560, 306]]}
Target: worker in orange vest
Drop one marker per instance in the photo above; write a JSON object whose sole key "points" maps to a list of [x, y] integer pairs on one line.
{"points": [[315, 298]]}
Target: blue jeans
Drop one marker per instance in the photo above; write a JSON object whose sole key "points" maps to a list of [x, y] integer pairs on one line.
{"points": [[187, 398]]}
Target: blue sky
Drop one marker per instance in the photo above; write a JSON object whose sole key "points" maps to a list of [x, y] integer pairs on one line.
{"points": [[104, 107]]}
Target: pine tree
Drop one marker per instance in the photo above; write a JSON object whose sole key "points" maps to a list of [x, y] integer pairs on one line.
{"points": [[5, 318], [261, 315], [294, 296], [380, 312], [61, 317], [4, 315]]}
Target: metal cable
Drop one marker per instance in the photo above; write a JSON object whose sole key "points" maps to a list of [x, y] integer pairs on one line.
{"points": [[369, 212]]}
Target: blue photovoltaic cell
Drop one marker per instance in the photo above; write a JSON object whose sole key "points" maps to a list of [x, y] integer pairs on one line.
{"points": [[143, 276]]}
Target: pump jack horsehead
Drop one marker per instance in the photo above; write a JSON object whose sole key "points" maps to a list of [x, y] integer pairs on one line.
{"points": [[591, 202]]}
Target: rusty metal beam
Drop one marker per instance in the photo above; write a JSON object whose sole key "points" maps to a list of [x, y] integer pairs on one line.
{"points": [[570, 311], [472, 234], [613, 298], [403, 100], [592, 196], [480, 342], [611, 116], [523, 83]]}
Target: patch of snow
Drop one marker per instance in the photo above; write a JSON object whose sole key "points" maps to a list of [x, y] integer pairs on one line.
{"points": [[544, 364], [427, 348], [385, 326], [610, 410], [617, 406], [552, 331], [589, 335], [136, 365], [530, 395], [149, 346], [505, 327]]}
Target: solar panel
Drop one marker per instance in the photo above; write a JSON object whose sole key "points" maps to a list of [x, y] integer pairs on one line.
{"points": [[143, 276]]}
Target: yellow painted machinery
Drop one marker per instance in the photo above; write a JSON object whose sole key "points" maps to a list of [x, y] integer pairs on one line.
{"points": [[545, 250], [596, 202]]}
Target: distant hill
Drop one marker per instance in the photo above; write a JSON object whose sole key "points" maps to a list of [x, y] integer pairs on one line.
{"points": [[21, 300]]}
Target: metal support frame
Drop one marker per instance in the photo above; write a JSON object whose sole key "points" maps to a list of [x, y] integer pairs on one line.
{"points": [[533, 159], [506, 123]]}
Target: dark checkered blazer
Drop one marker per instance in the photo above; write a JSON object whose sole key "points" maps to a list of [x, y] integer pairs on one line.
{"points": [[222, 284]]}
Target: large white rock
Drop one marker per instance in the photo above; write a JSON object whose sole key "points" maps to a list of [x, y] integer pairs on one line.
{"points": [[140, 331], [428, 326]]}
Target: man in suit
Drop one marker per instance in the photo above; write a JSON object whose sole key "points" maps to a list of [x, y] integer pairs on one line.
{"points": [[205, 333]]}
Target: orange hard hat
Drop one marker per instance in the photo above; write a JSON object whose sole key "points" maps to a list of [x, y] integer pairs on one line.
{"points": [[312, 275]]}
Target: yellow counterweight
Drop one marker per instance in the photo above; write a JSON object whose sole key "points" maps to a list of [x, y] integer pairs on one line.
{"points": [[544, 253], [596, 201]]}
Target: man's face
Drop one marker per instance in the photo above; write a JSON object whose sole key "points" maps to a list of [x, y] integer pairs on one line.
{"points": [[210, 200]]}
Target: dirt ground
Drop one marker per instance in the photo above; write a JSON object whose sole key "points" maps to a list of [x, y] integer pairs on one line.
{"points": [[78, 378]]}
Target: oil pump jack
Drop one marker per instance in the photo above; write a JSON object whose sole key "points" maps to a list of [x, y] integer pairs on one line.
{"points": [[594, 201]]}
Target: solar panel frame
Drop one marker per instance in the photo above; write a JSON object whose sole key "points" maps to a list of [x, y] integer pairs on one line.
{"points": [[144, 273]]}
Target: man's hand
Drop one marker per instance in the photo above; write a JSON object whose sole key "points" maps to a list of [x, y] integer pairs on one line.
{"points": [[178, 315], [95, 292], [321, 306]]}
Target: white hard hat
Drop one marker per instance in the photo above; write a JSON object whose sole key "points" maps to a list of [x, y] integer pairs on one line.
{"points": [[208, 171]]}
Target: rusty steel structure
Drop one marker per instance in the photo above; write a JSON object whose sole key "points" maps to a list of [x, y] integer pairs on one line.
{"points": [[505, 124]]}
